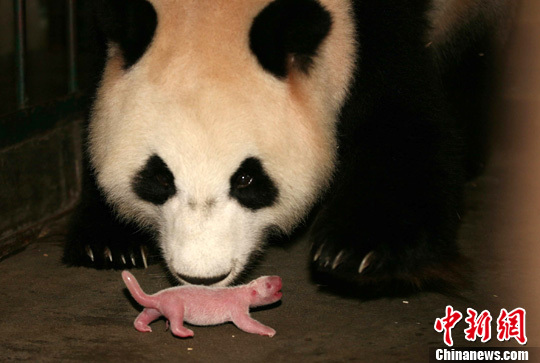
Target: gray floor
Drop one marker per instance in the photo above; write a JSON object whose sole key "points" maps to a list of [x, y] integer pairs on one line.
{"points": [[50, 312]]}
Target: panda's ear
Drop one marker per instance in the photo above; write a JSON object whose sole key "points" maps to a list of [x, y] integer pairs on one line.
{"points": [[289, 28], [129, 23]]}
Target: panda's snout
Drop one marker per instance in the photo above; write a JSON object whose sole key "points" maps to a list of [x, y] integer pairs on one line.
{"points": [[207, 281], [202, 249]]}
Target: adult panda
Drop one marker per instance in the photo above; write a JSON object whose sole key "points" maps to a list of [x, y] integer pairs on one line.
{"points": [[218, 121]]}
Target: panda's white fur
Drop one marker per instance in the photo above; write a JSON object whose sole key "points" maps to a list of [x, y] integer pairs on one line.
{"points": [[204, 118]]}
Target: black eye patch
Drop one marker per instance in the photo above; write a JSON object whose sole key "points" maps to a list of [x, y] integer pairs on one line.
{"points": [[251, 186], [154, 182]]}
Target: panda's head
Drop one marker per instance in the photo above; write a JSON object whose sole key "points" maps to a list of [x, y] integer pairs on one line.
{"points": [[215, 121]]}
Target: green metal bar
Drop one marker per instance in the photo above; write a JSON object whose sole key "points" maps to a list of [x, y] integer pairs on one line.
{"points": [[72, 46], [19, 9]]}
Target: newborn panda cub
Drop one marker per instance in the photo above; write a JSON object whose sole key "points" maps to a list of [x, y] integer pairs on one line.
{"points": [[199, 305]]}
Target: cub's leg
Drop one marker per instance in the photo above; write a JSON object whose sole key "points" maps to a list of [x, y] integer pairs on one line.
{"points": [[250, 325], [146, 316]]}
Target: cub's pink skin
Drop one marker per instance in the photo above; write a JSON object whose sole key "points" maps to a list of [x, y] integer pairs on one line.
{"points": [[201, 305]]}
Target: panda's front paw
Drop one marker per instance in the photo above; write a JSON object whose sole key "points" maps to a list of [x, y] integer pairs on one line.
{"points": [[108, 244], [337, 260], [328, 257], [102, 256], [118, 260], [358, 260], [333, 254]]}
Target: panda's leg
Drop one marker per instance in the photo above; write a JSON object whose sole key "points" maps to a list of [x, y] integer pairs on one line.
{"points": [[391, 216], [390, 219], [97, 238]]}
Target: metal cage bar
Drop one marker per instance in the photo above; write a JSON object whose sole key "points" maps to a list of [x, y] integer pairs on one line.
{"points": [[72, 45], [19, 11]]}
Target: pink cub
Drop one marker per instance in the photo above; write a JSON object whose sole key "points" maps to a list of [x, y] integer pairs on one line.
{"points": [[201, 305]]}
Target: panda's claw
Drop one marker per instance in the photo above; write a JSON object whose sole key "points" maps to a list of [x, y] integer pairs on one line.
{"points": [[107, 254], [90, 253], [366, 262], [338, 259], [318, 253], [123, 259], [144, 252], [133, 259]]}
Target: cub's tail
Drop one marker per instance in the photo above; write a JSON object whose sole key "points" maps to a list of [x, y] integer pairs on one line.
{"points": [[136, 291]]}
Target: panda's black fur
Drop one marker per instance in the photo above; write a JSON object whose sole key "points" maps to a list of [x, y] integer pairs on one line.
{"points": [[391, 215], [399, 183]]}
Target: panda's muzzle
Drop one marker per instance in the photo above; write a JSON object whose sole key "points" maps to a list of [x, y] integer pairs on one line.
{"points": [[207, 281]]}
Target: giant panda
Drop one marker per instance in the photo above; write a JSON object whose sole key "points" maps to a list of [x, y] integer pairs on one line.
{"points": [[218, 123]]}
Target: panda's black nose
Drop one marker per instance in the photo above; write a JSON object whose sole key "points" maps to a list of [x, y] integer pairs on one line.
{"points": [[207, 281]]}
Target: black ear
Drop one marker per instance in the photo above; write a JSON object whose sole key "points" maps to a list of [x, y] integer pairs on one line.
{"points": [[289, 27], [129, 23]]}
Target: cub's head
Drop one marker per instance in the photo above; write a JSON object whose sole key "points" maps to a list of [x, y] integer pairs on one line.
{"points": [[265, 290], [215, 121]]}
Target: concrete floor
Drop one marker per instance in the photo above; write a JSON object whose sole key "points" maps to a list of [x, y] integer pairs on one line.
{"points": [[51, 312]]}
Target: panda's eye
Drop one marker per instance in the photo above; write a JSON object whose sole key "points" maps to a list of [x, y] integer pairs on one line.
{"points": [[162, 180], [243, 181], [251, 185]]}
